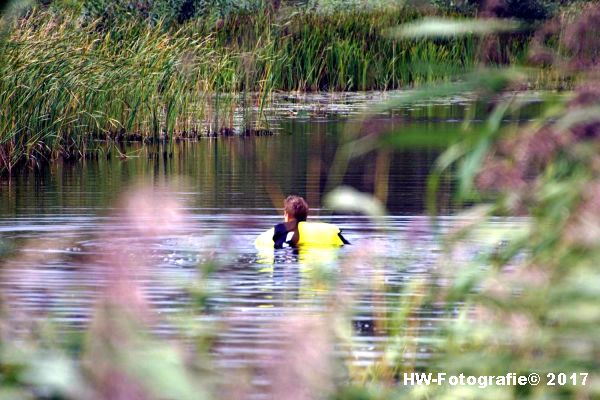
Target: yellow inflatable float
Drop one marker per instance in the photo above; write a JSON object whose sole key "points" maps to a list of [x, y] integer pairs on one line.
{"points": [[317, 245], [310, 235]]}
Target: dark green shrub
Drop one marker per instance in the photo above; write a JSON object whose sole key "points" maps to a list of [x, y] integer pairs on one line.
{"points": [[527, 10]]}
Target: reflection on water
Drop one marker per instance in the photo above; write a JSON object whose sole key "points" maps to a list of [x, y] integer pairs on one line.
{"points": [[245, 174], [55, 223]]}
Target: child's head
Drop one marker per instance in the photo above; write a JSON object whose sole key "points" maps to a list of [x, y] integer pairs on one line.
{"points": [[295, 207]]}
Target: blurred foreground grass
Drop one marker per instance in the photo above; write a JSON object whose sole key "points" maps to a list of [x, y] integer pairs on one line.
{"points": [[530, 304]]}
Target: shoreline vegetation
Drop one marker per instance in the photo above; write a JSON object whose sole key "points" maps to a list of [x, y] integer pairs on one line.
{"points": [[75, 77]]}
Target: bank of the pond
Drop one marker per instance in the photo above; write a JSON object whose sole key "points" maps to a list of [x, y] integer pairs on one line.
{"points": [[69, 86]]}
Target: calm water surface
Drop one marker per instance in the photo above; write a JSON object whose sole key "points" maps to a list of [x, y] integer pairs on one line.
{"points": [[56, 223]]}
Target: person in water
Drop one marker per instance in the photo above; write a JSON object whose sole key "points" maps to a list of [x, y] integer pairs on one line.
{"points": [[287, 233]]}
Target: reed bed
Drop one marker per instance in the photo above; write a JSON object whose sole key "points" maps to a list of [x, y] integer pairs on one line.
{"points": [[343, 51], [70, 86], [65, 86]]}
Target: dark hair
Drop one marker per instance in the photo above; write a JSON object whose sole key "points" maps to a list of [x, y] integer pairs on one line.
{"points": [[296, 207]]}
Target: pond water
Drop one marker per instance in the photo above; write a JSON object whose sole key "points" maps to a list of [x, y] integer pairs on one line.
{"points": [[56, 227]]}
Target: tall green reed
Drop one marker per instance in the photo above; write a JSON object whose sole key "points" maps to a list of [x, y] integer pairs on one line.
{"points": [[342, 50], [64, 85]]}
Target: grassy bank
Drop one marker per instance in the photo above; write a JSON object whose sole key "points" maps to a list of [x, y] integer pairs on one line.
{"points": [[64, 83], [63, 86], [69, 83]]}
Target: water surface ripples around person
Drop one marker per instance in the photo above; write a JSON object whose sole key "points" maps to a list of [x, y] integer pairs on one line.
{"points": [[55, 225]]}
